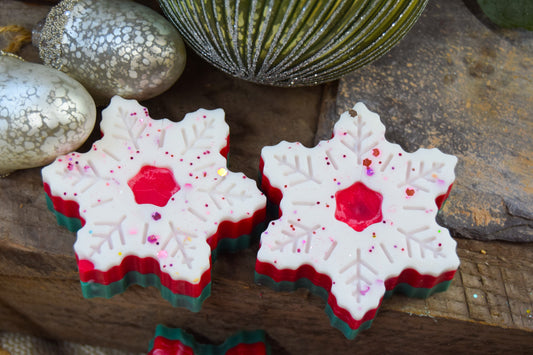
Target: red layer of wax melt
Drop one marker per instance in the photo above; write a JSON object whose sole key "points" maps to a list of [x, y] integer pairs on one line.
{"points": [[408, 276], [68, 208], [233, 230], [442, 198], [144, 266], [166, 346]]}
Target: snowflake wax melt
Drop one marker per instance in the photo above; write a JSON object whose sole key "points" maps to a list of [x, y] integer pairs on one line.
{"points": [[356, 220], [177, 341], [152, 202]]}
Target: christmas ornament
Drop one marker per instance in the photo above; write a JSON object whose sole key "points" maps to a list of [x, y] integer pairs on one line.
{"points": [[43, 113], [112, 47], [292, 42], [509, 13]]}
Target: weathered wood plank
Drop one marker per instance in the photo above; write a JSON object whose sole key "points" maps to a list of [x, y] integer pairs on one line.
{"points": [[488, 308], [295, 322]]}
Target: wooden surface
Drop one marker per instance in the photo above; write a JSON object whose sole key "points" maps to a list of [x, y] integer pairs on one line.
{"points": [[488, 308]]}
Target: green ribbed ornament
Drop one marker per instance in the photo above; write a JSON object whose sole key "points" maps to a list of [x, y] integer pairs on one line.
{"points": [[292, 42]]}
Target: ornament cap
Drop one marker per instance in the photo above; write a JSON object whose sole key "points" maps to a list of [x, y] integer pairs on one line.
{"points": [[47, 34]]}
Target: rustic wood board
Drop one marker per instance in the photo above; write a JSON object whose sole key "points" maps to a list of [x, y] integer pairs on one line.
{"points": [[40, 294], [488, 308]]}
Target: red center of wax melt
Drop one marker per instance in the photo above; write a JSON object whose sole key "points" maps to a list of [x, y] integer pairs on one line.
{"points": [[153, 186], [358, 206]]}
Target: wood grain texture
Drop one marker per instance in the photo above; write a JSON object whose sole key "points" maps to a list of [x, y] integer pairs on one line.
{"points": [[488, 308], [295, 322]]}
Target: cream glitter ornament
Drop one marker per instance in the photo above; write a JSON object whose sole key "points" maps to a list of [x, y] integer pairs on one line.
{"points": [[113, 47], [43, 113]]}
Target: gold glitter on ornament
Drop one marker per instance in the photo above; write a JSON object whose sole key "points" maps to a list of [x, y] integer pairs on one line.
{"points": [[112, 47]]}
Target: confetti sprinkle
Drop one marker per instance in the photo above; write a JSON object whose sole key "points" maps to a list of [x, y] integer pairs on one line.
{"points": [[153, 238], [222, 172]]}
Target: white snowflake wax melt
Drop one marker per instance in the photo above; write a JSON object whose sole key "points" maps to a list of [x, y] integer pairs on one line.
{"points": [[152, 201], [356, 220]]}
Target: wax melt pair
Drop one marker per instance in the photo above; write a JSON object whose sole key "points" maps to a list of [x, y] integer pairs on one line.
{"points": [[153, 202]]}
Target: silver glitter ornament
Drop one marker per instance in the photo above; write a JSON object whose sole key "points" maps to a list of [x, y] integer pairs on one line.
{"points": [[112, 47], [292, 42], [43, 113]]}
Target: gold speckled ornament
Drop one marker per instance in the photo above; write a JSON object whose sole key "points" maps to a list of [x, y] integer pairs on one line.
{"points": [[43, 113], [112, 47]]}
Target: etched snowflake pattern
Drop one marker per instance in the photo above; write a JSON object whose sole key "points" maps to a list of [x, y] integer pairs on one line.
{"points": [[178, 173], [358, 209]]}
